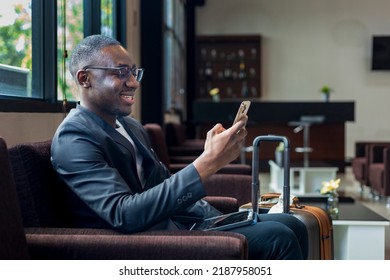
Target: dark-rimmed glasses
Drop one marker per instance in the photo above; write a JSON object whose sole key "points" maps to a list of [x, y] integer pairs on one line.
{"points": [[123, 72]]}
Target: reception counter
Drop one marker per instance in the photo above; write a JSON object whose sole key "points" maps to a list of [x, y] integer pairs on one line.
{"points": [[326, 126]]}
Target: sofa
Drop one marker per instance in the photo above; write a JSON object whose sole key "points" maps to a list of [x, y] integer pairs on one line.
{"points": [[361, 161], [36, 222]]}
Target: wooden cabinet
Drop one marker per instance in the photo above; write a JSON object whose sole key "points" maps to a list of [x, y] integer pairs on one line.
{"points": [[229, 67]]}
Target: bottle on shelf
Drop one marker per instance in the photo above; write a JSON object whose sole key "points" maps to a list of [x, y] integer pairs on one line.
{"points": [[230, 93], [254, 53], [241, 72], [214, 53], [203, 52], [244, 89], [227, 71], [208, 71], [242, 76], [252, 72], [241, 53], [253, 91]]}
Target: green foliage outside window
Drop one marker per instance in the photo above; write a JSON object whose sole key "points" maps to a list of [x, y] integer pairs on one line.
{"points": [[15, 39], [70, 33]]}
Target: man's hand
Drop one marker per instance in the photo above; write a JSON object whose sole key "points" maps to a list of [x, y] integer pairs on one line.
{"points": [[221, 147]]}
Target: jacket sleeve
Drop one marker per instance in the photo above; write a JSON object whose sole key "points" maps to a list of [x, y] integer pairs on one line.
{"points": [[88, 166]]}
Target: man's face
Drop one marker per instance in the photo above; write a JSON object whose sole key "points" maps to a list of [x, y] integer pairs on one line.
{"points": [[112, 87]]}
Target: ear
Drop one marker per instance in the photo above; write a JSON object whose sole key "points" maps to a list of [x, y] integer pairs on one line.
{"points": [[83, 79]]}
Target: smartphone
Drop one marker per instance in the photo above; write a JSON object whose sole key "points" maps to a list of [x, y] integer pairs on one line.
{"points": [[242, 110]]}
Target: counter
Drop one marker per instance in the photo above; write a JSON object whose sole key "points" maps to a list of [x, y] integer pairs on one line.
{"points": [[327, 137]]}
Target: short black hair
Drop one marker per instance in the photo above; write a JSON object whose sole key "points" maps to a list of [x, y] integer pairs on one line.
{"points": [[86, 51]]}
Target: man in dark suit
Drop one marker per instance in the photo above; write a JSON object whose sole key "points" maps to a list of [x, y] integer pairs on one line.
{"points": [[116, 180]]}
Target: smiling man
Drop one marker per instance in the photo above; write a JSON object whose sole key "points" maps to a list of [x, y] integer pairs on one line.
{"points": [[116, 181]]}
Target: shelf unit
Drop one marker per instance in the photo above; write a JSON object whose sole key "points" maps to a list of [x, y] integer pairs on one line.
{"points": [[231, 65]]}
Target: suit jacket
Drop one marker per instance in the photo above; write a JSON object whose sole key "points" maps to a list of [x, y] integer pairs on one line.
{"points": [[98, 165]]}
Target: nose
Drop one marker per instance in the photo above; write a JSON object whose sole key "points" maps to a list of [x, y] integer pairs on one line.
{"points": [[132, 82]]}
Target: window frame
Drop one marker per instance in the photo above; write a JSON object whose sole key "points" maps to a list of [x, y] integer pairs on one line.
{"points": [[44, 73]]}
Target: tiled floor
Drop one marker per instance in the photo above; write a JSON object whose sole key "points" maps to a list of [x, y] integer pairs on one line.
{"points": [[352, 189]]}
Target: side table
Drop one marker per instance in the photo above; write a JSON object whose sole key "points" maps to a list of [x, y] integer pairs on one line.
{"points": [[358, 232], [309, 179]]}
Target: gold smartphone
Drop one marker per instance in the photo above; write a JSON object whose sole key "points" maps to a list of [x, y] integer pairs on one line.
{"points": [[242, 110]]}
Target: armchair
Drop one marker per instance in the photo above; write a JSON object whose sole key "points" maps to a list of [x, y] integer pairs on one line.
{"points": [[179, 144], [176, 136], [175, 163], [36, 223], [379, 171], [13, 243], [360, 163], [235, 185]]}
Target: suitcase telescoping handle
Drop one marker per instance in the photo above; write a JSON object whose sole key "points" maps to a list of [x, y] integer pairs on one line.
{"points": [[255, 169]]}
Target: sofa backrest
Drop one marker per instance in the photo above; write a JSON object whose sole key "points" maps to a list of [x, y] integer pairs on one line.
{"points": [[175, 134], [238, 186], [13, 243], [42, 195], [157, 139]]}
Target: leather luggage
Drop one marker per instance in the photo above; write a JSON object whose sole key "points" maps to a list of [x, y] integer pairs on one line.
{"points": [[316, 219]]}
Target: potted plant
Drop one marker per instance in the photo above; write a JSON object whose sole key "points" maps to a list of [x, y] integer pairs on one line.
{"points": [[214, 92], [326, 90], [330, 189]]}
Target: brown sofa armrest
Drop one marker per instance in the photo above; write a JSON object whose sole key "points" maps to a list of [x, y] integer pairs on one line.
{"points": [[223, 203], [185, 150], [102, 244], [230, 185], [182, 159]]}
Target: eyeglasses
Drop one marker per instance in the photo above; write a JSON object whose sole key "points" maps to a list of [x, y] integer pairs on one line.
{"points": [[123, 72]]}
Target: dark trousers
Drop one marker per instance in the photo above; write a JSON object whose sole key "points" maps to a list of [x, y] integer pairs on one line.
{"points": [[276, 237]]}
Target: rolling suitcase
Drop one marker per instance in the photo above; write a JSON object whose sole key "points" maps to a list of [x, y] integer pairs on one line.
{"points": [[316, 219]]}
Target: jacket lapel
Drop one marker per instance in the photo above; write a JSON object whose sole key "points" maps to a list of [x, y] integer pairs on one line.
{"points": [[121, 140], [149, 160], [146, 154]]}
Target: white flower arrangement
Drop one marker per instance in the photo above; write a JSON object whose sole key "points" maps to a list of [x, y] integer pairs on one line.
{"points": [[330, 187]]}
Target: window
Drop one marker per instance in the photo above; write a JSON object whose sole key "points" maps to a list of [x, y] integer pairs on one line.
{"points": [[15, 48], [174, 56], [36, 37], [107, 18], [70, 33]]}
